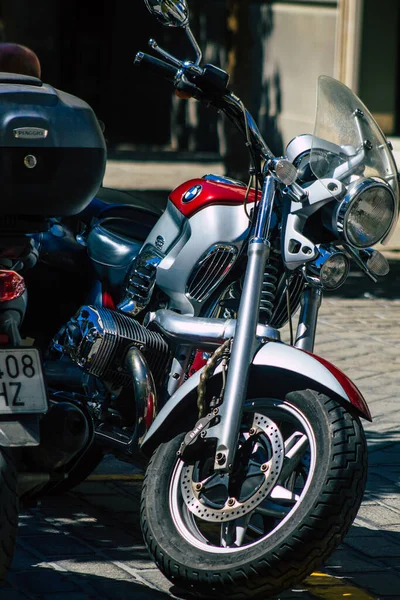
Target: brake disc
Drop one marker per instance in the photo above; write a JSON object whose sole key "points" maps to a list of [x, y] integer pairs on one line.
{"points": [[195, 492]]}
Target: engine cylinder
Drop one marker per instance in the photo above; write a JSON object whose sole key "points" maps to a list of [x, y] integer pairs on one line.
{"points": [[98, 339]]}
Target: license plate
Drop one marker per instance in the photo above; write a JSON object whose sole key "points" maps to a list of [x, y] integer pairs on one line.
{"points": [[22, 388]]}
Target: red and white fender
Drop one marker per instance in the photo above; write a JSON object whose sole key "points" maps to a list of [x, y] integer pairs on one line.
{"points": [[273, 364]]}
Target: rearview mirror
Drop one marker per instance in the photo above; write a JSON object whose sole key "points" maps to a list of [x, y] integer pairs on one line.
{"points": [[171, 13]]}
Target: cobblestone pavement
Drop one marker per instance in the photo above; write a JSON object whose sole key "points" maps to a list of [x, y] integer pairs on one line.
{"points": [[88, 545]]}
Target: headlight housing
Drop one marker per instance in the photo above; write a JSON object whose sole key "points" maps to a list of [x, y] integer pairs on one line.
{"points": [[366, 213], [330, 270]]}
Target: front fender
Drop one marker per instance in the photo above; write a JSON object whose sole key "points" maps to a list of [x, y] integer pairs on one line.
{"points": [[277, 369], [315, 368]]}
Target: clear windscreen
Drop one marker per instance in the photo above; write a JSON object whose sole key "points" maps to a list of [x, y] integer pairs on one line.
{"points": [[348, 144]]}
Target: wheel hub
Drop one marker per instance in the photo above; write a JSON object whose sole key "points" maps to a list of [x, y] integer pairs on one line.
{"points": [[262, 476]]}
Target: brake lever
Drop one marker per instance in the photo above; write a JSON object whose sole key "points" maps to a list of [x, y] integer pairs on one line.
{"points": [[186, 89], [175, 61]]}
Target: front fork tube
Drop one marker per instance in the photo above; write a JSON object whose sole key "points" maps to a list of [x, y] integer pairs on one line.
{"points": [[244, 343], [307, 325]]}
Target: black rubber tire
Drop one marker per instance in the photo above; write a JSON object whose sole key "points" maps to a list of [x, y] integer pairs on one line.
{"points": [[8, 510], [292, 552]]}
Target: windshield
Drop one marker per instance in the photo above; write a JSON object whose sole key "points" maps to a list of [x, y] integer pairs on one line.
{"points": [[348, 144]]}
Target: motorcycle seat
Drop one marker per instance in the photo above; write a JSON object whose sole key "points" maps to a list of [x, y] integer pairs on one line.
{"points": [[123, 197], [135, 217]]}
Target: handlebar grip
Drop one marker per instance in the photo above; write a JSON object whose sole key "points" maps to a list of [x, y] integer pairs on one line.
{"points": [[157, 66]]}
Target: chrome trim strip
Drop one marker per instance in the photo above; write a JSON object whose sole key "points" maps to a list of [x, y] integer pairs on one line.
{"points": [[145, 395], [201, 332], [223, 179], [211, 269]]}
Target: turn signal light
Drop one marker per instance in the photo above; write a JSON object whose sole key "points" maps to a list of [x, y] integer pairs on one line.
{"points": [[12, 286]]}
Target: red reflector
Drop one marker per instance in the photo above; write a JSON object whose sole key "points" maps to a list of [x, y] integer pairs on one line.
{"points": [[150, 411], [12, 286], [107, 300], [4, 339], [198, 362]]}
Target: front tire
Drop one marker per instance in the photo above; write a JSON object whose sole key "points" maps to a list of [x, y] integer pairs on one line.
{"points": [[299, 477], [8, 510]]}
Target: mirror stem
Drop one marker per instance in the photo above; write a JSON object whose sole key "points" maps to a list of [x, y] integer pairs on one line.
{"points": [[195, 45]]}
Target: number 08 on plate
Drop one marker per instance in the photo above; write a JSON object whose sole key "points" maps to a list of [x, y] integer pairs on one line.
{"points": [[22, 388]]}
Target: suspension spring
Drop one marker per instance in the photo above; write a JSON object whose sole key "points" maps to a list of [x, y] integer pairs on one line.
{"points": [[268, 293]]}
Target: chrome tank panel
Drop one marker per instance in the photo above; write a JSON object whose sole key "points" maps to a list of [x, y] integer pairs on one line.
{"points": [[168, 229], [212, 225]]}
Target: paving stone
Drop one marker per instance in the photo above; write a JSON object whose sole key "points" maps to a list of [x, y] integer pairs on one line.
{"points": [[23, 559], [346, 561], [157, 578], [68, 502], [112, 502], [102, 536], [136, 556], [383, 585], [387, 476], [31, 525], [57, 545], [392, 563], [97, 565], [357, 531], [10, 594], [378, 515], [41, 580], [392, 502], [375, 546], [67, 596], [93, 487], [295, 595], [125, 590]]}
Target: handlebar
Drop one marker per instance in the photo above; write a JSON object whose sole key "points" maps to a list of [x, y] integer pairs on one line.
{"points": [[210, 83], [157, 66]]}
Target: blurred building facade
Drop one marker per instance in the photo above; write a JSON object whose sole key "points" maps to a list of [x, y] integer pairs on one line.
{"points": [[87, 48]]}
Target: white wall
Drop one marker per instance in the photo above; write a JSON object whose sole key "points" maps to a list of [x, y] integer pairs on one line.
{"points": [[300, 48]]}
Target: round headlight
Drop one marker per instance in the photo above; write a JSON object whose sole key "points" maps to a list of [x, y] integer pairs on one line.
{"points": [[366, 213], [330, 269]]}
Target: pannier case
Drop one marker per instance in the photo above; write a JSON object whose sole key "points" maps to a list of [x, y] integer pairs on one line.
{"points": [[52, 150]]}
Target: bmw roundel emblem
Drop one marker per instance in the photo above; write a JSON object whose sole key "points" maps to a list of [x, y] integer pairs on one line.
{"points": [[192, 193], [160, 241]]}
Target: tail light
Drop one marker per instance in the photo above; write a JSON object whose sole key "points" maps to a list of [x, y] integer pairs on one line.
{"points": [[12, 286]]}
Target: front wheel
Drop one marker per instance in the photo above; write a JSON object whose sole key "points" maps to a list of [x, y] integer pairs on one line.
{"points": [[295, 489], [8, 510]]}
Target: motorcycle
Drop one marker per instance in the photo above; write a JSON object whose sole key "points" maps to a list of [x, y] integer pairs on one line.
{"points": [[46, 440], [259, 460], [45, 136], [254, 452]]}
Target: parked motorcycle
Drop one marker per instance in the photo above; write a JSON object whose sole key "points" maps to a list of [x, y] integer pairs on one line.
{"points": [[46, 136], [258, 457], [263, 485], [53, 160]]}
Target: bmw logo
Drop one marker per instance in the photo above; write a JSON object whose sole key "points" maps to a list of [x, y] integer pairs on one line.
{"points": [[192, 194], [160, 241]]}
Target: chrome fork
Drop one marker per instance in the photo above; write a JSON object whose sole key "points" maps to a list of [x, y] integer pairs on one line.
{"points": [[307, 325], [245, 342]]}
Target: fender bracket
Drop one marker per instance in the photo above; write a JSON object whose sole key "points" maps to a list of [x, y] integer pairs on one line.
{"points": [[199, 430]]}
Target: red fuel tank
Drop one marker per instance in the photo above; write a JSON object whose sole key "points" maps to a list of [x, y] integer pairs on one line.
{"points": [[195, 194]]}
